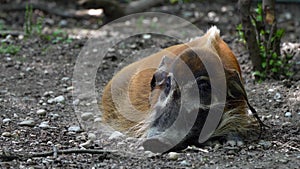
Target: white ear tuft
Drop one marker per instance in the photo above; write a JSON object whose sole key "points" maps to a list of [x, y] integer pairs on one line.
{"points": [[213, 33]]}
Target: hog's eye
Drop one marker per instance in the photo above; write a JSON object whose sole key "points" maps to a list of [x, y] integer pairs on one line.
{"points": [[153, 83], [168, 85]]}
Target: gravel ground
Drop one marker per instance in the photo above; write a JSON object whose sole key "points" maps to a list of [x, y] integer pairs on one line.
{"points": [[37, 111]]}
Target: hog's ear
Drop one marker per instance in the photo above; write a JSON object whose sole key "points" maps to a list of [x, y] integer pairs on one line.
{"points": [[236, 90], [165, 63], [235, 85]]}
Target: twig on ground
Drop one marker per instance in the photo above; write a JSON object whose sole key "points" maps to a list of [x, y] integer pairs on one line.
{"points": [[52, 9], [286, 145], [8, 155]]}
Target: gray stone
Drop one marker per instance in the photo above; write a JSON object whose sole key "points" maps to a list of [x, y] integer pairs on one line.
{"points": [[92, 136], [173, 156], [29, 123], [65, 79], [86, 116], [185, 163], [265, 144], [6, 134], [48, 93], [74, 129], [44, 125], [288, 114], [59, 99], [277, 96], [98, 119], [86, 144], [146, 36], [6, 120], [41, 112]]}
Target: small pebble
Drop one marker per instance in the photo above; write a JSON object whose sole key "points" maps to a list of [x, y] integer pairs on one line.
{"points": [[286, 124], [54, 115], [130, 139], [74, 129], [288, 114], [121, 143], [265, 144], [173, 156], [283, 161], [98, 119], [132, 46], [6, 120], [44, 125], [16, 134], [115, 135], [8, 58], [29, 161], [86, 144], [277, 96], [6, 134], [184, 163], [48, 93], [251, 147], [63, 23], [268, 116], [76, 102], [146, 36], [41, 112], [65, 79], [70, 88], [111, 50], [92, 136], [29, 123], [288, 15], [86, 116], [59, 99], [271, 90], [239, 143], [28, 69], [141, 148], [150, 154], [231, 143], [50, 101]]}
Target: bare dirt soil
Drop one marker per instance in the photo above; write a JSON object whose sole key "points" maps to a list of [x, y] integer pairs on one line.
{"points": [[37, 108]]}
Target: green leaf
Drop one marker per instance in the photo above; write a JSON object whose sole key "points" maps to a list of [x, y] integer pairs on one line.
{"points": [[259, 74], [274, 55], [173, 1], [280, 33], [275, 70], [289, 74], [279, 62], [263, 64]]}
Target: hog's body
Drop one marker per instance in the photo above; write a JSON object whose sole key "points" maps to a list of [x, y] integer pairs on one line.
{"points": [[136, 95]]}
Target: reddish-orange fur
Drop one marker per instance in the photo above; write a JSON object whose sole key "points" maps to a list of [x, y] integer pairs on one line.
{"points": [[137, 85]]}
